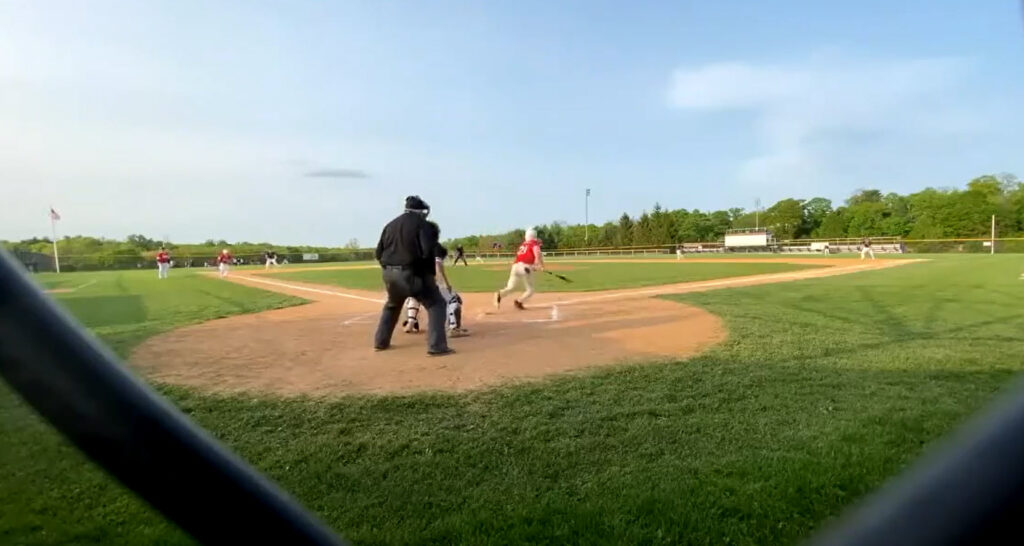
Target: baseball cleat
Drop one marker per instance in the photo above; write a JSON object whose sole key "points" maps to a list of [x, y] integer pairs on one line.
{"points": [[458, 332], [497, 299], [447, 351], [519, 305], [411, 327]]}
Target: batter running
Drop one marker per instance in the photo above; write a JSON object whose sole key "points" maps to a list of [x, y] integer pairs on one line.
{"points": [[529, 258]]}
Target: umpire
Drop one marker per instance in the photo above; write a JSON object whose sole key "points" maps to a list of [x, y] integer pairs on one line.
{"points": [[406, 256]]}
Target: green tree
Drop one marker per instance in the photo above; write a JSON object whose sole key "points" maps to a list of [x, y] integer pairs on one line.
{"points": [[607, 234], [865, 219], [142, 242], [642, 232], [897, 215], [663, 229], [815, 211], [864, 196], [748, 220], [785, 218], [719, 221], [624, 236], [833, 226]]}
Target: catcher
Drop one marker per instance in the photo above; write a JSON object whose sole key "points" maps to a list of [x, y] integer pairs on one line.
{"points": [[451, 297]]}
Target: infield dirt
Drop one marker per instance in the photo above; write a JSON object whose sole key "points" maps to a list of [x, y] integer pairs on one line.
{"points": [[325, 347]]}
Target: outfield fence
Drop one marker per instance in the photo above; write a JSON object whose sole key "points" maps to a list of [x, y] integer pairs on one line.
{"points": [[99, 262], [40, 262]]}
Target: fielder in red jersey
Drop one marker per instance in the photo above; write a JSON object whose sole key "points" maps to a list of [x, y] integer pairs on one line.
{"points": [[163, 263], [224, 261]]}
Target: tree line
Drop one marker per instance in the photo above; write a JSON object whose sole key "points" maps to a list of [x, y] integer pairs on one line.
{"points": [[932, 213]]}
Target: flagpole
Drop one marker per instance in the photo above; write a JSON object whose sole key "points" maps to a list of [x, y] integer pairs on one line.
{"points": [[586, 217], [53, 229]]}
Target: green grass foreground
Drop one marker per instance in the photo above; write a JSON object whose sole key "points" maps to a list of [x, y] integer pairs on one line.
{"points": [[585, 276], [824, 389]]}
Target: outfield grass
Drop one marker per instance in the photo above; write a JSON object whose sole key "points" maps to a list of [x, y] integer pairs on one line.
{"points": [[824, 388], [585, 276]]}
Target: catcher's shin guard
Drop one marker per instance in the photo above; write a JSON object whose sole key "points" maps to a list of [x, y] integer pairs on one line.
{"points": [[455, 312], [412, 311]]}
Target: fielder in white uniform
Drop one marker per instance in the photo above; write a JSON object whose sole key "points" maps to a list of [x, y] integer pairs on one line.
{"points": [[865, 249], [271, 258], [451, 298]]}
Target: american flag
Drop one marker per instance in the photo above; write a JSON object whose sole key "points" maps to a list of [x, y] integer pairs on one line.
{"points": [[54, 215]]}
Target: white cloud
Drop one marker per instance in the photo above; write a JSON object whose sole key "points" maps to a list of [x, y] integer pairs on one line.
{"points": [[809, 118]]}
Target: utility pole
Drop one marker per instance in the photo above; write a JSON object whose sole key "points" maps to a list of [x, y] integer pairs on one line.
{"points": [[586, 216], [757, 213], [992, 243]]}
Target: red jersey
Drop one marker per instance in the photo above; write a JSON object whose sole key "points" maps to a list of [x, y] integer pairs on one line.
{"points": [[163, 257], [526, 254], [223, 258]]}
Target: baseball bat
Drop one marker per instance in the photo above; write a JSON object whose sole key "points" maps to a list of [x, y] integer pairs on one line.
{"points": [[561, 277]]}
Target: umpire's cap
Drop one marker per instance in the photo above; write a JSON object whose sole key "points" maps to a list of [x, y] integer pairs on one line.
{"points": [[413, 203]]}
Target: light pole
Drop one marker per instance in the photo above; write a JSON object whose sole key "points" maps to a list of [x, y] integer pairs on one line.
{"points": [[586, 217]]}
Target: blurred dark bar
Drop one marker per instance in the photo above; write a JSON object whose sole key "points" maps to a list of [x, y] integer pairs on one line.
{"points": [[968, 491], [133, 433]]}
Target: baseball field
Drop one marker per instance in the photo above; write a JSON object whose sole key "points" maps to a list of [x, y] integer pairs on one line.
{"points": [[648, 401]]}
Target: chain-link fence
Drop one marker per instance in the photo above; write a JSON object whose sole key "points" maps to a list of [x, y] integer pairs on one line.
{"points": [[100, 262], [39, 262]]}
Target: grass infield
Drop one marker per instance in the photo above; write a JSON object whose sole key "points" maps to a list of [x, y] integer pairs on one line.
{"points": [[585, 276]]}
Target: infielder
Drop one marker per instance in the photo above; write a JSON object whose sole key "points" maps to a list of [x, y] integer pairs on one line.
{"points": [[224, 262], [460, 254], [452, 299], [271, 258], [679, 252], [865, 249], [163, 263], [529, 258]]}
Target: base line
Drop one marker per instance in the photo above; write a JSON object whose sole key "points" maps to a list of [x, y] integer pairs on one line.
{"points": [[307, 289], [723, 282]]}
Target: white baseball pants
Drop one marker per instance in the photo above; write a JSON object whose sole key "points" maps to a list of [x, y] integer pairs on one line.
{"points": [[454, 308], [520, 272], [161, 269]]}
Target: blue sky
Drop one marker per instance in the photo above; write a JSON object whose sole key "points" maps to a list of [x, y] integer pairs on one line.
{"points": [[193, 119]]}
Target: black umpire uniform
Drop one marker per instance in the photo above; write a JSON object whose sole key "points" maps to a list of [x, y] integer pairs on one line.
{"points": [[406, 253]]}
